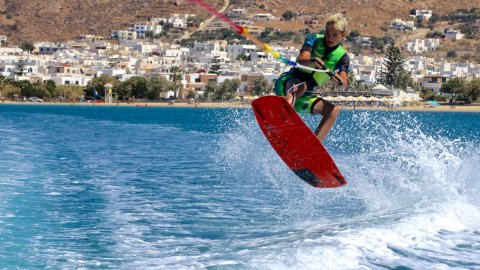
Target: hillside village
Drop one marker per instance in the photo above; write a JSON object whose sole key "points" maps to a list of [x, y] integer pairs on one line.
{"points": [[136, 51]]}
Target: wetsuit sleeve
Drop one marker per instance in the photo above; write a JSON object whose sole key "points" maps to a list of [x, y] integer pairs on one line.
{"points": [[309, 42], [343, 64]]}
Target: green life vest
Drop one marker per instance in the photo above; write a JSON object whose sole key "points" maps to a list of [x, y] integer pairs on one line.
{"points": [[330, 61]]}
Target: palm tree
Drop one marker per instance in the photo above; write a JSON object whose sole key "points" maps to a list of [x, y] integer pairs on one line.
{"points": [[2, 82], [9, 82], [176, 77]]}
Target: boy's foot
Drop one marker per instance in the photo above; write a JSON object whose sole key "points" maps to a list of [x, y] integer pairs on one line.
{"points": [[297, 90]]}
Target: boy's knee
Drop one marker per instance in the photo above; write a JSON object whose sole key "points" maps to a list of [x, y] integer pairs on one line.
{"points": [[335, 112], [326, 109]]}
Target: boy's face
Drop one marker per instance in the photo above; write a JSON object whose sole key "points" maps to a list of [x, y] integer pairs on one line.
{"points": [[333, 36]]}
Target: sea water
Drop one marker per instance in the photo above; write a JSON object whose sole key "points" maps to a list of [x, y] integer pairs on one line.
{"points": [[90, 187]]}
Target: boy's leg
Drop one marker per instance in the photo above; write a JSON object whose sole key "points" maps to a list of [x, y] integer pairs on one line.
{"points": [[329, 114]]}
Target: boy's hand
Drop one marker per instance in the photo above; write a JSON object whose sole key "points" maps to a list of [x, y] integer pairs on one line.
{"points": [[318, 63]]}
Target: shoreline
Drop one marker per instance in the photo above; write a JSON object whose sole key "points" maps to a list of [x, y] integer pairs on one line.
{"points": [[420, 108]]}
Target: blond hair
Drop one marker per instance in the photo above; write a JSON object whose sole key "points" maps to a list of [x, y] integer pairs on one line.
{"points": [[338, 21]]}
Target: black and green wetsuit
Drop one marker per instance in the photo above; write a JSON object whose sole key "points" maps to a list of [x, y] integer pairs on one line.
{"points": [[335, 59]]}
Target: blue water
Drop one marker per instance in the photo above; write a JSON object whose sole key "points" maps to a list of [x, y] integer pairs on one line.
{"points": [[195, 188]]}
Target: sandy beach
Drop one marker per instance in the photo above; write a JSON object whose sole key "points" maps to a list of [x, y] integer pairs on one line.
{"points": [[420, 108]]}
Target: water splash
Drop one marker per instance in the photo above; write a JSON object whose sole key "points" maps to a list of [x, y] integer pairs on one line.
{"points": [[411, 202], [391, 160]]}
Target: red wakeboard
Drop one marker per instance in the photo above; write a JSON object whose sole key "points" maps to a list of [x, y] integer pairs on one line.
{"points": [[295, 143]]}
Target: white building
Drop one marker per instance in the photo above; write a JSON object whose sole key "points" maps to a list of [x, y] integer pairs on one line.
{"points": [[10, 51], [233, 51], [382, 91], [263, 17], [7, 69], [362, 40], [124, 34], [116, 73], [453, 34], [209, 47], [3, 39], [366, 73], [159, 20], [71, 80], [423, 14], [142, 28], [145, 48], [237, 12], [415, 65], [434, 82], [419, 46], [401, 25], [47, 48]]}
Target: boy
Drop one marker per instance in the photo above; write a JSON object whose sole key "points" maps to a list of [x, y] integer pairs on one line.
{"points": [[321, 52]]}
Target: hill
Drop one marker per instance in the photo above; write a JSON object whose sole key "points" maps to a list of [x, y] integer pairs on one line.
{"points": [[56, 20], [367, 16]]}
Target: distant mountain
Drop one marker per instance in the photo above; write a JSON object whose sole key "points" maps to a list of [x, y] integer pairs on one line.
{"points": [[53, 20]]}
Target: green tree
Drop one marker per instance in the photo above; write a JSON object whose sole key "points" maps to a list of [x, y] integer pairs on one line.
{"points": [[427, 93], [51, 87], [123, 90], [354, 33], [455, 87], [27, 46], [404, 79], [138, 86], [451, 54], [70, 92], [261, 87], [434, 19], [420, 23], [384, 27], [473, 90], [351, 78], [2, 84], [210, 88], [377, 44], [357, 49], [190, 95], [9, 87], [434, 34], [12, 89], [288, 15], [215, 67], [226, 90], [392, 72], [156, 86], [149, 34], [28, 89], [174, 86], [176, 78], [242, 57], [98, 84]]}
